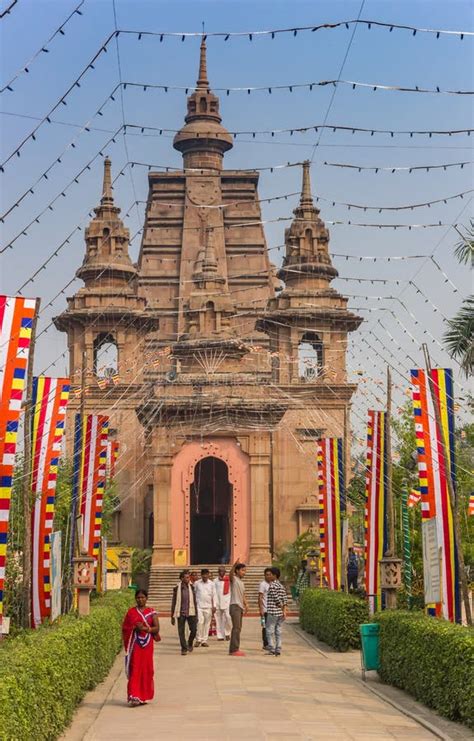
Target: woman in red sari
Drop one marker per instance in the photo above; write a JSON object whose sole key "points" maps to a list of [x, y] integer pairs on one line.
{"points": [[140, 629]]}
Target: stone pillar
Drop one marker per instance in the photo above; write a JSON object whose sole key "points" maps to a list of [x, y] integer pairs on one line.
{"points": [[162, 465], [259, 452]]}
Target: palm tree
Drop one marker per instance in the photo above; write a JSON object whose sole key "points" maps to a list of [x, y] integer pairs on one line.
{"points": [[459, 338]]}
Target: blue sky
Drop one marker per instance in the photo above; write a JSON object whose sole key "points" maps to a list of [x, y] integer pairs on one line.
{"points": [[375, 56]]}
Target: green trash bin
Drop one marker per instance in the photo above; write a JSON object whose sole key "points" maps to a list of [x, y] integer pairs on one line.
{"points": [[369, 636], [294, 593]]}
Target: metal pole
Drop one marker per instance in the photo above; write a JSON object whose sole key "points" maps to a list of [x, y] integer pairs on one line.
{"points": [[451, 492], [27, 471], [406, 542]]}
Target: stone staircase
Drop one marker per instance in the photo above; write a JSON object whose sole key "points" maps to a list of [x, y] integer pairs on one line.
{"points": [[164, 578]]}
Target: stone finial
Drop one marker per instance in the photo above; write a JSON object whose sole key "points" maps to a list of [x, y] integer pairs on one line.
{"points": [[202, 81], [306, 198], [107, 197]]}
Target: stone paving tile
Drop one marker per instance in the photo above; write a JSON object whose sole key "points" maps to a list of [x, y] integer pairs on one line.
{"points": [[208, 695]]}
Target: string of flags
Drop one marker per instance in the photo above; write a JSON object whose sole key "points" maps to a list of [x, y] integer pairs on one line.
{"points": [[409, 169]]}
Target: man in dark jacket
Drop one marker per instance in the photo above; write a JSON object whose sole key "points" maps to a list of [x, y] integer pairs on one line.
{"points": [[352, 570], [184, 610]]}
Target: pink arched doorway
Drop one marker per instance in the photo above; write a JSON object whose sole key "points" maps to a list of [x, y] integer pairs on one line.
{"points": [[210, 501]]}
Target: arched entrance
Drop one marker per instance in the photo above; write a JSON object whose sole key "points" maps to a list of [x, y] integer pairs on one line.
{"points": [[211, 512], [219, 472]]}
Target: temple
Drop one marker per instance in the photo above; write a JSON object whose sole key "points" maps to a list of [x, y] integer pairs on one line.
{"points": [[226, 369]]}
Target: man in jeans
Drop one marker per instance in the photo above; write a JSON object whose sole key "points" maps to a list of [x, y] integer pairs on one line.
{"points": [[184, 610], [276, 612], [238, 605], [262, 603]]}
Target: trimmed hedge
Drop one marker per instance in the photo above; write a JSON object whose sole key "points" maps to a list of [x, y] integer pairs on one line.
{"points": [[431, 659], [333, 617], [45, 673]]}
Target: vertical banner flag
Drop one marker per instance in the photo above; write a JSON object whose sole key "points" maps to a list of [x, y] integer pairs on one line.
{"points": [[49, 401], [112, 455], [93, 462], [470, 510], [375, 505], [16, 322], [433, 470], [331, 504], [406, 543]]}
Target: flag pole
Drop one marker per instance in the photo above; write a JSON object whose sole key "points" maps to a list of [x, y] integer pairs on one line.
{"points": [[451, 492]]}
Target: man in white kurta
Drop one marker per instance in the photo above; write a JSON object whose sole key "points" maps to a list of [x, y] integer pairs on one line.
{"points": [[206, 606], [223, 621]]}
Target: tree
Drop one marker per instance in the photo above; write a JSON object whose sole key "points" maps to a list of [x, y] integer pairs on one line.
{"points": [[289, 557], [459, 338]]}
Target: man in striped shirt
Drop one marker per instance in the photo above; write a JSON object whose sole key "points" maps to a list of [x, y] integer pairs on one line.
{"points": [[276, 612]]}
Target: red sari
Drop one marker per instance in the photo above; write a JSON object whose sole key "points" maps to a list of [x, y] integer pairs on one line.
{"points": [[138, 655]]}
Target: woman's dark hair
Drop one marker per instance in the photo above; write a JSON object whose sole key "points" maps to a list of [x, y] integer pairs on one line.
{"points": [[141, 591], [275, 571]]}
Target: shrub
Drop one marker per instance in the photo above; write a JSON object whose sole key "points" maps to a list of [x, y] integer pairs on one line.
{"points": [[431, 659], [45, 673], [333, 617]]}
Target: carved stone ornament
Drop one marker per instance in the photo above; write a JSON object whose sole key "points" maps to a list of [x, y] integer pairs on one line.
{"points": [[125, 562], [84, 572], [390, 572]]}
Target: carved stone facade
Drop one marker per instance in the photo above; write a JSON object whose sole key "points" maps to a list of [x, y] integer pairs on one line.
{"points": [[225, 379]]}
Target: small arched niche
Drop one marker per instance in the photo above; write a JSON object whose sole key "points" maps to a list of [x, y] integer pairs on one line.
{"points": [[310, 356], [105, 355]]}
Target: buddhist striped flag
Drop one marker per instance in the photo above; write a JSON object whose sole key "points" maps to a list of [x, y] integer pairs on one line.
{"points": [[49, 402], [470, 509], [93, 461], [375, 496], [414, 497], [433, 470], [16, 322], [113, 447], [331, 505]]}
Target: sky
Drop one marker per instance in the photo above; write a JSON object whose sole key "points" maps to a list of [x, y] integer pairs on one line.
{"points": [[400, 314]]}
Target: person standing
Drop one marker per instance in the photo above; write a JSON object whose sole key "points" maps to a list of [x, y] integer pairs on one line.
{"points": [[276, 612], [302, 581], [139, 630], [222, 587], [352, 570], [184, 610], [206, 606], [262, 602], [238, 605]]}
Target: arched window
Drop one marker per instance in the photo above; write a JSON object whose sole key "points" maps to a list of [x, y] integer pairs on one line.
{"points": [[310, 356], [105, 355], [309, 240], [106, 242], [202, 105], [210, 320]]}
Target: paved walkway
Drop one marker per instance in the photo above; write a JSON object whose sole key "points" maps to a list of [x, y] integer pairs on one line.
{"points": [[210, 695]]}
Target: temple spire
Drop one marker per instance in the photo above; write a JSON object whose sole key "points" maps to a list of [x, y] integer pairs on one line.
{"points": [[306, 196], [202, 81], [107, 197]]}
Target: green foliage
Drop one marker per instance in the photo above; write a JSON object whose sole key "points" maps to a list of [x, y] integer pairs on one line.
{"points": [[46, 673], [431, 659], [141, 561], [333, 617], [459, 337], [289, 557]]}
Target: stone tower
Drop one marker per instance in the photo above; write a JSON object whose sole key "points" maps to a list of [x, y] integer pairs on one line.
{"points": [[106, 323]]}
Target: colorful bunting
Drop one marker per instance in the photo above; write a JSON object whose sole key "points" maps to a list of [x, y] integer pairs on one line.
{"points": [[414, 497], [16, 322], [49, 400], [471, 506], [375, 494], [331, 505], [433, 471]]}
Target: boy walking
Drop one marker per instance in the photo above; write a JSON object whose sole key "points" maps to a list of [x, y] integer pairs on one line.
{"points": [[238, 605], [206, 606], [276, 612]]}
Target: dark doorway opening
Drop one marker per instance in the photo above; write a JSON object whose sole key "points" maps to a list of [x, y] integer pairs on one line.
{"points": [[211, 496]]}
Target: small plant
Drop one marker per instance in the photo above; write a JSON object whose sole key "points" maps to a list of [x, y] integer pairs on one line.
{"points": [[289, 557]]}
